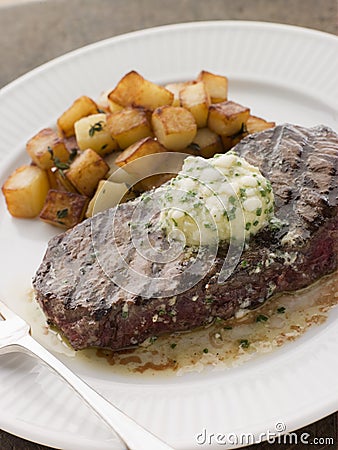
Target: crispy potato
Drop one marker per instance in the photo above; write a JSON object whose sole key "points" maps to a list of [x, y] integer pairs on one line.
{"points": [[150, 96], [51, 174], [113, 106], [192, 150], [86, 171], [155, 169], [134, 90], [174, 127], [126, 89], [152, 182], [110, 160], [62, 183], [195, 99], [208, 143], [255, 124], [175, 88], [108, 194], [124, 136], [144, 147], [82, 107], [116, 174], [136, 161], [106, 105], [58, 181], [230, 141], [128, 126], [92, 132], [71, 144], [25, 191], [227, 118], [216, 86], [43, 145], [64, 209]]}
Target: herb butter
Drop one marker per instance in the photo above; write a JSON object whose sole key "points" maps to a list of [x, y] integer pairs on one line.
{"points": [[216, 199]]}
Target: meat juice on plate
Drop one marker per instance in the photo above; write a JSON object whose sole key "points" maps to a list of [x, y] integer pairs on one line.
{"points": [[223, 344]]}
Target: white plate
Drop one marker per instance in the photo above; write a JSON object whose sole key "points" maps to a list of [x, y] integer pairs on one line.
{"points": [[283, 73]]}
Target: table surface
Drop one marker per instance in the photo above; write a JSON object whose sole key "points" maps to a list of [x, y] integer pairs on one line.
{"points": [[34, 32]]}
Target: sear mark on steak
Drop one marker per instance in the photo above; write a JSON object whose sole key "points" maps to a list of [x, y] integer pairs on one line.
{"points": [[78, 296]]}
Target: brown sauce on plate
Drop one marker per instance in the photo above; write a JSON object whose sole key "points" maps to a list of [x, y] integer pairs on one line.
{"points": [[223, 344]]}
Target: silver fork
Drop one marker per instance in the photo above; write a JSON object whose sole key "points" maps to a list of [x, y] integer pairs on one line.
{"points": [[15, 336]]}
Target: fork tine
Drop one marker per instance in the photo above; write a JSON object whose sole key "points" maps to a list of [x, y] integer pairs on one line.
{"points": [[5, 312]]}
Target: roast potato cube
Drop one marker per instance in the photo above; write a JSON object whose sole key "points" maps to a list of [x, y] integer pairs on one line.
{"points": [[175, 88], [126, 89], [174, 127], [108, 194], [110, 160], [128, 126], [105, 104], [82, 107], [51, 174], [230, 141], [113, 106], [216, 86], [136, 160], [152, 182], [71, 144], [192, 150], [144, 147], [86, 171], [116, 174], [207, 142], [62, 183], [25, 191], [195, 98], [64, 209], [45, 143], [134, 90], [154, 170], [58, 181], [227, 118], [255, 124], [150, 96], [92, 132]]}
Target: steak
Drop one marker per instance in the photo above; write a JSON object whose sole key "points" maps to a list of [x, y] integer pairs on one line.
{"points": [[76, 284]]}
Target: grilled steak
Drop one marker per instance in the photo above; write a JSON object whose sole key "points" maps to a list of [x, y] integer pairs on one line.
{"points": [[75, 283]]}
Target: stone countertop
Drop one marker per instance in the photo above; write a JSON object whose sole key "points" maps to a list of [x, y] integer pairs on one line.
{"points": [[34, 32]]}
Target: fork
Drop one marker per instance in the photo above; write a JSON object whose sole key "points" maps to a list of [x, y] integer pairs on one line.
{"points": [[15, 336]]}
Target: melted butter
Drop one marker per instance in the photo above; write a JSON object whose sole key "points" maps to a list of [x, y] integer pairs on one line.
{"points": [[222, 344]]}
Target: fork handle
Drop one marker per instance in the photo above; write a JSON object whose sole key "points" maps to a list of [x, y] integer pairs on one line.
{"points": [[132, 435]]}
